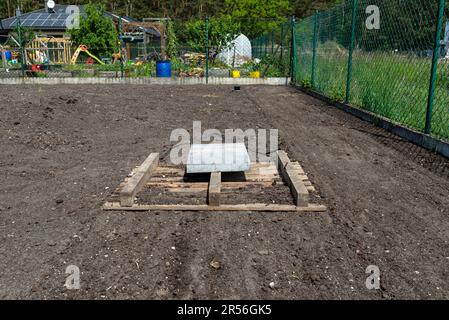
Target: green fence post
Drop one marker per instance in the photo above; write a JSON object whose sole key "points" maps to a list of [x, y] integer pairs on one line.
{"points": [[265, 37], [293, 52], [21, 44], [258, 48], [351, 50], [253, 48], [272, 42], [206, 42], [315, 38], [433, 74], [122, 56], [282, 41]]}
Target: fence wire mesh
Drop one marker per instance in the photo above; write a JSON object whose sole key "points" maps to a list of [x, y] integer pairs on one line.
{"points": [[273, 51], [380, 57], [392, 65], [208, 47]]}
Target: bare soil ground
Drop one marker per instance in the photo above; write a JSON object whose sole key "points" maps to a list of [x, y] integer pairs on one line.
{"points": [[64, 149]]}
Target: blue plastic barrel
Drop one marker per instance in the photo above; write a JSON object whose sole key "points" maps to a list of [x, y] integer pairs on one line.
{"points": [[163, 69], [8, 55]]}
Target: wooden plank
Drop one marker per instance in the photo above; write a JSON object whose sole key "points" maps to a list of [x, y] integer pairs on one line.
{"points": [[213, 196], [267, 170], [296, 166], [205, 185], [291, 176], [135, 183], [311, 189], [247, 179], [261, 165], [236, 208], [169, 170]]}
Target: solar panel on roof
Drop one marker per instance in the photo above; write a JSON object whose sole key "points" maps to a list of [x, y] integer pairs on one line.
{"points": [[33, 16], [59, 23], [46, 21], [41, 20]]}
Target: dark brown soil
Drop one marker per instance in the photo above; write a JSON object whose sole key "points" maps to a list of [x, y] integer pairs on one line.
{"points": [[277, 194], [66, 148]]}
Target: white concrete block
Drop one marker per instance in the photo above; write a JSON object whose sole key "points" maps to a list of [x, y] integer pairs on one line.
{"points": [[226, 157]]}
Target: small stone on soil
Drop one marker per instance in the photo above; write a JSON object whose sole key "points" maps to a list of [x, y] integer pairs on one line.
{"points": [[215, 264]]}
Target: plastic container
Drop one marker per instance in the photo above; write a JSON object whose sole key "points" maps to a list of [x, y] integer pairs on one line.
{"points": [[235, 74], [8, 55], [254, 74], [163, 69]]}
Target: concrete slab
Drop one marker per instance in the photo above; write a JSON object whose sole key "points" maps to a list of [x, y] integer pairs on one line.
{"points": [[226, 157]]}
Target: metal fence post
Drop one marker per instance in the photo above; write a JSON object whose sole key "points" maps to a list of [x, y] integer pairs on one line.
{"points": [[206, 43], [21, 44], [433, 74], [265, 36], [120, 28], [272, 42], [351, 50], [293, 52], [315, 38], [282, 41]]}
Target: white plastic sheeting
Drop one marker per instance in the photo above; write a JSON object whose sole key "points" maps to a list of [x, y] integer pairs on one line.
{"points": [[238, 52]]}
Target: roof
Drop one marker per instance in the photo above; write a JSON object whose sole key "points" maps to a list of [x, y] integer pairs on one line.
{"points": [[56, 20], [40, 19]]}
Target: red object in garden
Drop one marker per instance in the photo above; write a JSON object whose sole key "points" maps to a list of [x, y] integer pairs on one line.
{"points": [[89, 61]]}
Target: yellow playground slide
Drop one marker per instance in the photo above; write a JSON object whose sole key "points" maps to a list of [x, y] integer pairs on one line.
{"points": [[83, 48]]}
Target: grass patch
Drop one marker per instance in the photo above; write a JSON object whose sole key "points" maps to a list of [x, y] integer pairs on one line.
{"points": [[392, 85]]}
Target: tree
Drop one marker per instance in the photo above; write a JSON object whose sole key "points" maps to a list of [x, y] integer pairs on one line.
{"points": [[96, 31], [256, 16], [175, 9], [305, 8], [221, 32]]}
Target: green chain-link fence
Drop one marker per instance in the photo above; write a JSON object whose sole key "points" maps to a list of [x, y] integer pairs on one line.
{"points": [[385, 56], [273, 50], [203, 47]]}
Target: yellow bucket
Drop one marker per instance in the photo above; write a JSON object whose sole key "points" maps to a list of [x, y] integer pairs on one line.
{"points": [[254, 74], [235, 74]]}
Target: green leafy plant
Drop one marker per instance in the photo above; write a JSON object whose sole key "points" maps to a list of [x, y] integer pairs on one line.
{"points": [[96, 32], [172, 42], [221, 32], [251, 66], [305, 83], [22, 35], [145, 69], [337, 94]]}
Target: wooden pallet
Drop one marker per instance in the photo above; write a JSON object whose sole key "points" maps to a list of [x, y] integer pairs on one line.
{"points": [[171, 179]]}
